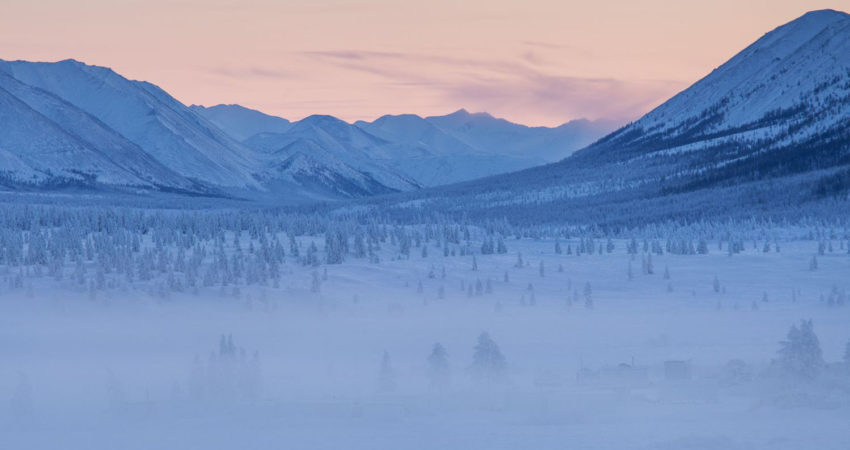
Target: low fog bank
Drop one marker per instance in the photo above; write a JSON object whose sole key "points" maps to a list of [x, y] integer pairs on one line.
{"points": [[532, 348]]}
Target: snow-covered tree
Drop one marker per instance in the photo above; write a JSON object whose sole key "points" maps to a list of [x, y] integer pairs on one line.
{"points": [[488, 363], [800, 353], [847, 353], [386, 376], [21, 403], [439, 373]]}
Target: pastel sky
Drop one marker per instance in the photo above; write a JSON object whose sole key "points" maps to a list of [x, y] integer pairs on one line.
{"points": [[537, 62]]}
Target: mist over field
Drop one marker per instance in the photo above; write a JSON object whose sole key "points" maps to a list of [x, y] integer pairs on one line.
{"points": [[423, 337], [202, 277]]}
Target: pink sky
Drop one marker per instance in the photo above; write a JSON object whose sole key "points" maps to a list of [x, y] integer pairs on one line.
{"points": [[534, 61]]}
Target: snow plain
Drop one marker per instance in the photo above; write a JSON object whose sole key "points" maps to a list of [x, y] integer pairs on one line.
{"points": [[120, 370]]}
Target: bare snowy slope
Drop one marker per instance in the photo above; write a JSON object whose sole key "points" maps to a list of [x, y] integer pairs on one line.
{"points": [[241, 123], [45, 141], [147, 116]]}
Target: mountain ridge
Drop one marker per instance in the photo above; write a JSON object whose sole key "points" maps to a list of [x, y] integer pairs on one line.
{"points": [[767, 130]]}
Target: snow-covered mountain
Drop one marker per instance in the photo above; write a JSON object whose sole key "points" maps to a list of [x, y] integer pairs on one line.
{"points": [[325, 145], [240, 122], [768, 130], [44, 141], [428, 151], [463, 146], [778, 107], [71, 124], [501, 137], [435, 156], [145, 115]]}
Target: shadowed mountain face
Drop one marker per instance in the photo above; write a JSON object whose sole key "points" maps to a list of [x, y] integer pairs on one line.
{"points": [[769, 129]]}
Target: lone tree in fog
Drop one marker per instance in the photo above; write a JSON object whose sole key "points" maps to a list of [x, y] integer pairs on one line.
{"points": [[847, 353], [22, 398], [800, 354], [438, 366], [386, 378], [488, 363]]}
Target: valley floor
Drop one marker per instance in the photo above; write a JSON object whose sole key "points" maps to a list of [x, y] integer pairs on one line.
{"points": [[595, 358]]}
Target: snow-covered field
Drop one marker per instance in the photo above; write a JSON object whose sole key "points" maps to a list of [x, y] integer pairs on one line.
{"points": [[678, 363]]}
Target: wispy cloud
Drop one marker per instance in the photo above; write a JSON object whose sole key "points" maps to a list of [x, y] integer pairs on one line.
{"points": [[526, 84], [252, 72]]}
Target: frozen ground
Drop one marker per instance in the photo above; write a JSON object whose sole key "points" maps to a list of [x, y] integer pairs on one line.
{"points": [[119, 371]]}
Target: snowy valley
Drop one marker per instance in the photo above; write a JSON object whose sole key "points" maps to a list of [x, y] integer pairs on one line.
{"points": [[196, 277], [229, 329]]}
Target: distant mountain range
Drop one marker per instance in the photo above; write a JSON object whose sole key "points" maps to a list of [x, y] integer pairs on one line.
{"points": [[767, 131], [428, 151], [71, 125]]}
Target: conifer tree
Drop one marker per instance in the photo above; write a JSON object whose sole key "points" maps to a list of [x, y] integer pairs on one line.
{"points": [[386, 377], [488, 363], [438, 367], [800, 353]]}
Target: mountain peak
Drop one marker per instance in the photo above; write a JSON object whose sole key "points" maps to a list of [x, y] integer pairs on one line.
{"points": [[73, 61], [825, 14], [462, 115], [803, 28], [320, 119]]}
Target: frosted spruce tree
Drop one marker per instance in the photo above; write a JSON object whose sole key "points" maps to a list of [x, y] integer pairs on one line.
{"points": [[488, 363], [800, 353], [21, 402], [847, 354], [438, 367], [386, 377]]}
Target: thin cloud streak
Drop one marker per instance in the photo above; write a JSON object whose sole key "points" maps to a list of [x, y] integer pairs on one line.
{"points": [[505, 87], [252, 72]]}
